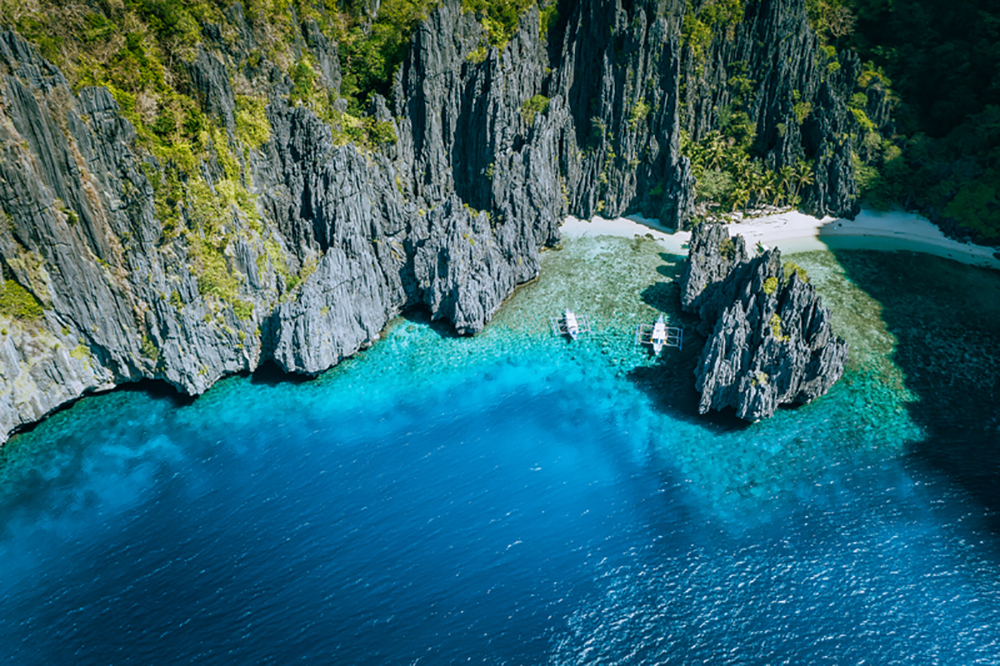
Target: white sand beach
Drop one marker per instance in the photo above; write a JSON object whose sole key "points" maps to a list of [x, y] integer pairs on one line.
{"points": [[797, 232]]}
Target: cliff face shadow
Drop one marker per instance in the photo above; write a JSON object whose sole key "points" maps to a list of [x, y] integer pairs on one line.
{"points": [[421, 315], [670, 386], [157, 388], [946, 318], [670, 382], [663, 296], [269, 374], [666, 296], [672, 266]]}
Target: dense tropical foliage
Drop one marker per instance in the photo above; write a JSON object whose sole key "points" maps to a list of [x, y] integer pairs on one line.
{"points": [[728, 179], [942, 58]]}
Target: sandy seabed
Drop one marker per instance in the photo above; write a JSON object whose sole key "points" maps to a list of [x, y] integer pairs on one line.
{"points": [[793, 231]]}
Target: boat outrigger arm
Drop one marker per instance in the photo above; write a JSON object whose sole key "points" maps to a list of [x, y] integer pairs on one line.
{"points": [[570, 324], [659, 335]]}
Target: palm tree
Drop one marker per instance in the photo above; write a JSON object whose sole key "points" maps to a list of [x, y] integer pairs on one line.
{"points": [[740, 197], [772, 187], [754, 181], [769, 187], [803, 176], [715, 149], [695, 153], [739, 164], [785, 180]]}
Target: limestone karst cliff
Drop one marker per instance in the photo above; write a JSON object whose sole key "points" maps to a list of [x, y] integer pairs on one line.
{"points": [[770, 341], [797, 98], [284, 237]]}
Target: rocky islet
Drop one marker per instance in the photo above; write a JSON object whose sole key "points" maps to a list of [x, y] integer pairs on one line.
{"points": [[770, 341]]}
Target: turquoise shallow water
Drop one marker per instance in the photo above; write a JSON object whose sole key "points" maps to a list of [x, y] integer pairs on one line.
{"points": [[514, 498]]}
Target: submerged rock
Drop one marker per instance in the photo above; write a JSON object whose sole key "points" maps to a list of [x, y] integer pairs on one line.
{"points": [[769, 337]]}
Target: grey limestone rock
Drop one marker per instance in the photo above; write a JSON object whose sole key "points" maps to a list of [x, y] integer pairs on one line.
{"points": [[712, 256], [333, 239], [211, 82], [770, 341], [795, 97]]}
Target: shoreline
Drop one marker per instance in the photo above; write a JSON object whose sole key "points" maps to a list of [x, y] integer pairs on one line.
{"points": [[794, 232]]}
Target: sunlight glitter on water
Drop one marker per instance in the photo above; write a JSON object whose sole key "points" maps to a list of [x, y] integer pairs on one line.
{"points": [[507, 498]]}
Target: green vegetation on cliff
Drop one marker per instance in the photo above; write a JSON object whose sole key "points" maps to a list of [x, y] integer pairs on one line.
{"points": [[700, 26], [143, 51], [726, 163], [498, 17], [371, 50], [138, 48], [531, 107], [943, 61], [160, 60], [17, 302]]}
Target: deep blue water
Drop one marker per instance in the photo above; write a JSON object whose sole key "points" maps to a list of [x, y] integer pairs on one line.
{"points": [[517, 508]]}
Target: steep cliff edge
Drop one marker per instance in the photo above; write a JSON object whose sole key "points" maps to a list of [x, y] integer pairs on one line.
{"points": [[757, 77], [769, 337], [278, 229]]}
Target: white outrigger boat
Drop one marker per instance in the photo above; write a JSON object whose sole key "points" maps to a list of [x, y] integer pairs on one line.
{"points": [[570, 324], [659, 335]]}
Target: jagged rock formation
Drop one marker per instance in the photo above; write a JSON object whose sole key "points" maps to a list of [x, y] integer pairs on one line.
{"points": [[797, 99], [769, 337], [300, 249]]}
